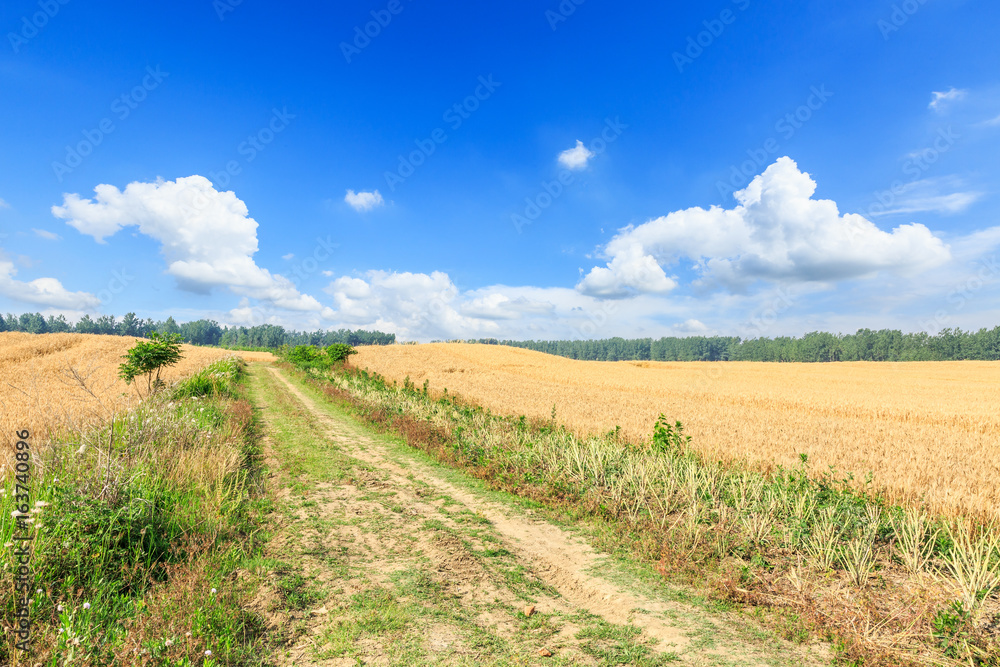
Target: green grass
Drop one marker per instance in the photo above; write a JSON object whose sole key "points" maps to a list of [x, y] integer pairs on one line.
{"points": [[619, 644], [129, 543], [298, 593]]}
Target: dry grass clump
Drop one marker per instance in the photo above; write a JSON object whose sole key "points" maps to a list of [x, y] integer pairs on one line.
{"points": [[923, 429], [42, 380]]}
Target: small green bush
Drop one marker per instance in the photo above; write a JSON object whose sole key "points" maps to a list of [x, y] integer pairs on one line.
{"points": [[669, 438], [339, 352], [307, 357]]}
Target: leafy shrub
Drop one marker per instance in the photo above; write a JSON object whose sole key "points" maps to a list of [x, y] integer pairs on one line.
{"points": [[149, 358], [340, 352], [669, 438], [308, 357]]}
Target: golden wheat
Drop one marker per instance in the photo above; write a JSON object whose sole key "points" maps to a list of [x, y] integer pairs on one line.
{"points": [[923, 429], [40, 380]]}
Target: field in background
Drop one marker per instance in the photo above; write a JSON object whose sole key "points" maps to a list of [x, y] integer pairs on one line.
{"points": [[38, 389], [921, 428]]}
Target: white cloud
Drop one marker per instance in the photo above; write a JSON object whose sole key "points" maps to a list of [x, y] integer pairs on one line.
{"points": [[992, 122], [289, 256], [945, 194], [499, 306], [691, 327], [420, 306], [3, 204], [364, 201], [206, 236], [47, 235], [575, 158], [410, 304], [249, 314], [941, 101], [630, 271], [42, 291], [777, 232]]}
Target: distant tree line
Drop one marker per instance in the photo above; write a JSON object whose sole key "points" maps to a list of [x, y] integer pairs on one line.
{"points": [[865, 345], [198, 332]]}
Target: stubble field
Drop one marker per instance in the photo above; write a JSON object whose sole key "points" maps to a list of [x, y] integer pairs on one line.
{"points": [[923, 429]]}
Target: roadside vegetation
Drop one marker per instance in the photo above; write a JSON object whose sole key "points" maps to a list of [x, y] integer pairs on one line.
{"points": [[920, 432], [812, 556], [140, 524]]}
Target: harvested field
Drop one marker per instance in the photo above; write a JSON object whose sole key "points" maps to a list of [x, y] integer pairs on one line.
{"points": [[923, 429], [38, 390]]}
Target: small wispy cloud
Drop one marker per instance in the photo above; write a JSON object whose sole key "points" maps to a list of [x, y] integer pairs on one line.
{"points": [[941, 101], [575, 158], [946, 194], [364, 201], [3, 204], [992, 122], [289, 256], [47, 235]]}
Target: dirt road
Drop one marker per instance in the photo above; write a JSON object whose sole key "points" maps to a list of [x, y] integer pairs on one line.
{"points": [[386, 558]]}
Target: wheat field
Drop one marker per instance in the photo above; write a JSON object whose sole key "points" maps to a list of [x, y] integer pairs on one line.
{"points": [[40, 379], [923, 429]]}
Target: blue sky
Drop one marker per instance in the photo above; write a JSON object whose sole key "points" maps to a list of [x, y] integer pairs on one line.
{"points": [[526, 170]]}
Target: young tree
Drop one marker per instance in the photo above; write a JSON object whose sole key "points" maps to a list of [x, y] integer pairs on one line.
{"points": [[149, 358]]}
